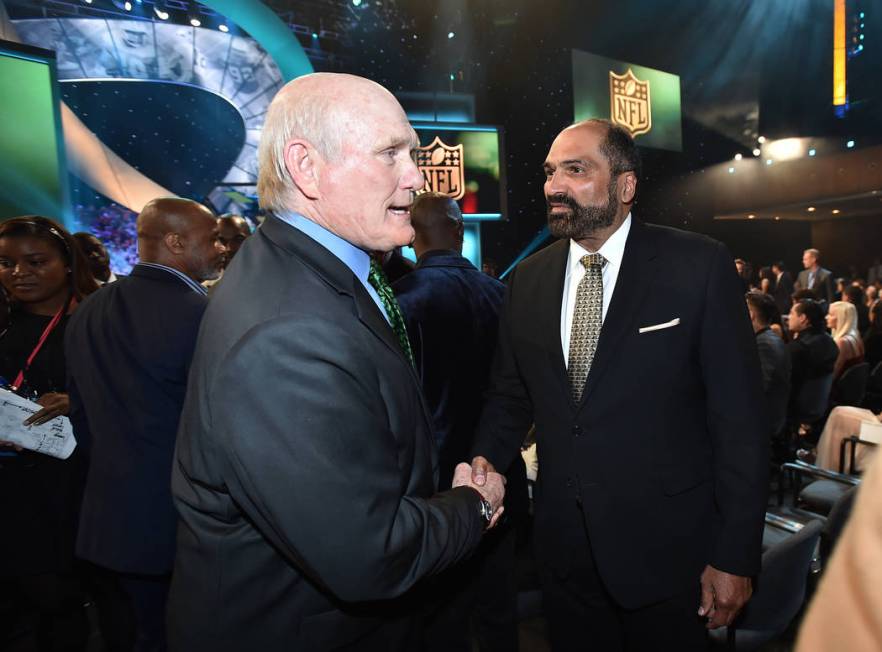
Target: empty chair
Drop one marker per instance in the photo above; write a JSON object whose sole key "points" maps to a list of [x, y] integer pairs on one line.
{"points": [[779, 592]]}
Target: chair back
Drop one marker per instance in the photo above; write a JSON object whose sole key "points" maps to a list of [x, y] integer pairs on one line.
{"points": [[875, 382], [780, 588], [811, 402], [852, 384]]}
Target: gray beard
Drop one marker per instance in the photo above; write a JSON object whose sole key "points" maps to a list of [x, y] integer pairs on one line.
{"points": [[581, 221]]}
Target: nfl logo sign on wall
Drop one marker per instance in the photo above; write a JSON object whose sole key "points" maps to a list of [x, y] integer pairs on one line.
{"points": [[442, 168], [629, 103]]}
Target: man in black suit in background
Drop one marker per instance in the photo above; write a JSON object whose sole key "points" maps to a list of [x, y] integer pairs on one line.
{"points": [[128, 350], [783, 289], [774, 359], [452, 315], [647, 399], [815, 278], [305, 472]]}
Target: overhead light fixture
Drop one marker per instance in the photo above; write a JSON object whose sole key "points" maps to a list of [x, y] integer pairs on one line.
{"points": [[738, 156], [451, 34], [757, 152], [127, 6], [836, 211], [751, 216], [195, 22], [761, 140], [812, 151], [223, 28], [811, 209], [777, 217], [356, 2], [849, 144]]}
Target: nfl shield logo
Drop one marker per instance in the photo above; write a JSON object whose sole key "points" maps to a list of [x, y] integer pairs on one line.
{"points": [[442, 168], [629, 104]]}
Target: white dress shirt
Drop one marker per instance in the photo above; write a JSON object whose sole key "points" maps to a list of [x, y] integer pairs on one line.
{"points": [[613, 250]]}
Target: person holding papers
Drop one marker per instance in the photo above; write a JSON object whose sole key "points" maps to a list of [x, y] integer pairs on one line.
{"points": [[43, 275]]}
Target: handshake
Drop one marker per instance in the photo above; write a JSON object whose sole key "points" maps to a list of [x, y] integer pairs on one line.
{"points": [[483, 478]]}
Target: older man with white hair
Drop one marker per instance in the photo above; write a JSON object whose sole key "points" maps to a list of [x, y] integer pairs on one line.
{"points": [[305, 468]]}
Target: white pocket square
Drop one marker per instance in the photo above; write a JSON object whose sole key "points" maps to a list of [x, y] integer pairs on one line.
{"points": [[658, 327]]}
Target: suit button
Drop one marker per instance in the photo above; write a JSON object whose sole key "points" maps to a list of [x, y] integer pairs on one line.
{"points": [[577, 431]]}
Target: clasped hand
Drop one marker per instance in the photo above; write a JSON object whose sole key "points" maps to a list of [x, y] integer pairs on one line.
{"points": [[492, 488]]}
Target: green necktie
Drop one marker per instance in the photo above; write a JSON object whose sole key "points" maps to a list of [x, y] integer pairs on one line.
{"points": [[380, 283]]}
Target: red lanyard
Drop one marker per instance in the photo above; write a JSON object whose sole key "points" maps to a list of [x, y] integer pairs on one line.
{"points": [[52, 324]]}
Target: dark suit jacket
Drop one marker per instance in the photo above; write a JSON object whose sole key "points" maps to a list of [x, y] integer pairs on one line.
{"points": [[128, 350], [822, 285], [305, 468], [665, 458], [775, 365], [783, 293]]}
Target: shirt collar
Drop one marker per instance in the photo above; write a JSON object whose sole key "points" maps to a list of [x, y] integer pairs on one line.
{"points": [[193, 285], [613, 250], [354, 258]]}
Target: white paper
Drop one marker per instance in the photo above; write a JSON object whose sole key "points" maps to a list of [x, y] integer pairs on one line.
{"points": [[54, 438]]}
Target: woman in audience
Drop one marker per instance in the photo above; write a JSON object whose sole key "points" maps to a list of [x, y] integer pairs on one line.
{"points": [[842, 322], [43, 275], [873, 337]]}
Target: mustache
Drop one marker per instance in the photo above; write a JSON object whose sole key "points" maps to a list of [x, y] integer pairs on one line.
{"points": [[562, 198]]}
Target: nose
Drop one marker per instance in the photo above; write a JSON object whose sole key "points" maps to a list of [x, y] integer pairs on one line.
{"points": [[553, 184], [412, 178]]}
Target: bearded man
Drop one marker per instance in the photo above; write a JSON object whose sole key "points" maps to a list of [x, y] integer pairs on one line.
{"points": [[646, 393]]}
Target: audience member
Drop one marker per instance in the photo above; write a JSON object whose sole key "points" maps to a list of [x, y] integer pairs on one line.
{"points": [[96, 254], [873, 337], [647, 402], [44, 275], [872, 296], [304, 472], [782, 287], [854, 294], [766, 280], [744, 273], [814, 277], [232, 232], [129, 349], [489, 267], [774, 359], [452, 314], [813, 353], [842, 322]]}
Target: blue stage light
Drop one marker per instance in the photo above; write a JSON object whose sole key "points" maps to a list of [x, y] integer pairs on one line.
{"points": [[849, 144], [356, 2], [812, 152], [223, 28]]}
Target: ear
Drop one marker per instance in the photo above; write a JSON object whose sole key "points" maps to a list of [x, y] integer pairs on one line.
{"points": [[460, 230], [628, 187], [174, 243], [303, 164]]}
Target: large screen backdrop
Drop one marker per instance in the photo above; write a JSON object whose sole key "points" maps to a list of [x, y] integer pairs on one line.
{"points": [[645, 101], [33, 174]]}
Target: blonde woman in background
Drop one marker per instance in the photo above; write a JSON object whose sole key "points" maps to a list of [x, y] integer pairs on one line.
{"points": [[842, 321]]}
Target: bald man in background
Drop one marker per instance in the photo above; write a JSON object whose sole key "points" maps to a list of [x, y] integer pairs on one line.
{"points": [[232, 232], [128, 355]]}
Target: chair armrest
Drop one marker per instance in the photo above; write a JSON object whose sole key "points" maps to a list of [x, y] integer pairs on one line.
{"points": [[853, 442], [781, 523], [801, 468]]}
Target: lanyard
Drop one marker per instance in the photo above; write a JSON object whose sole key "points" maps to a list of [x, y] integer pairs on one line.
{"points": [[19, 379]]}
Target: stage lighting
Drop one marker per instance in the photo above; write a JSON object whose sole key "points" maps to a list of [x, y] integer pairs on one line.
{"points": [[812, 151], [751, 216], [162, 15], [314, 36], [811, 209], [768, 161], [777, 217], [738, 156], [757, 152], [761, 139], [849, 144], [223, 28], [450, 34], [127, 6], [195, 22], [835, 211], [731, 170], [88, 2], [356, 2]]}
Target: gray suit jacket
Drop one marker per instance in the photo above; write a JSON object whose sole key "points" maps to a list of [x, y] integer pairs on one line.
{"points": [[822, 284], [304, 471]]}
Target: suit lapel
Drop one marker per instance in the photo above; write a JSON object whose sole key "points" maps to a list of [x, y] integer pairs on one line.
{"points": [[632, 284], [548, 306]]}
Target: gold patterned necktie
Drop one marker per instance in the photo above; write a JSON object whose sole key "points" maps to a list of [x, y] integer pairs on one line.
{"points": [[377, 279], [587, 320]]}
